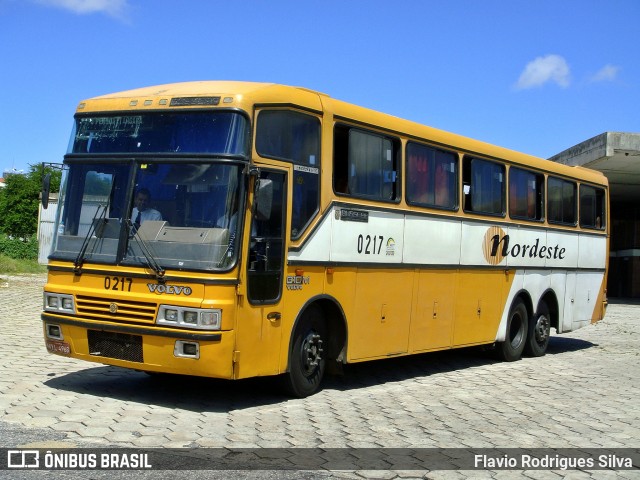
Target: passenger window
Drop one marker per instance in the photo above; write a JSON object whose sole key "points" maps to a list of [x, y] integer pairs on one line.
{"points": [[526, 194], [592, 207], [484, 186], [561, 201], [294, 137], [365, 164], [432, 177]]}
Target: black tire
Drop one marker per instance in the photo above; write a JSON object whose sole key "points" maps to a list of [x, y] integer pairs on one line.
{"points": [[539, 332], [307, 360], [515, 340]]}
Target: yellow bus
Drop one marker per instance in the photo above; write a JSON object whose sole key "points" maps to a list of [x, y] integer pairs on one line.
{"points": [[237, 229]]}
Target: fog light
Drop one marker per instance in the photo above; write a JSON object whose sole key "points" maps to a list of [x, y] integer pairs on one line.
{"points": [[53, 331], [186, 349], [190, 349]]}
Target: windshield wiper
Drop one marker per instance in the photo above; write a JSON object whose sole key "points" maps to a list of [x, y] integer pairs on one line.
{"points": [[98, 217], [146, 252]]}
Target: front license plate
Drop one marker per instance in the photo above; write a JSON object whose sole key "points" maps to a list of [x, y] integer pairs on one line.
{"points": [[58, 347]]}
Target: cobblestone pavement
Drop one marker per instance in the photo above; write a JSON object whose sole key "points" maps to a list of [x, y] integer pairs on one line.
{"points": [[583, 394]]}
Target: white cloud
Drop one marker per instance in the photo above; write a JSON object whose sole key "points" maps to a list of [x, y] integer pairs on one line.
{"points": [[550, 68], [113, 8], [607, 73]]}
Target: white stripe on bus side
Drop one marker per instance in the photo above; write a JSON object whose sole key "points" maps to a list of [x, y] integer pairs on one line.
{"points": [[398, 238]]}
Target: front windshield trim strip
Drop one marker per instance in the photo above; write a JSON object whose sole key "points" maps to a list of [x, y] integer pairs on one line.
{"points": [[211, 337], [116, 113], [165, 156], [149, 276]]}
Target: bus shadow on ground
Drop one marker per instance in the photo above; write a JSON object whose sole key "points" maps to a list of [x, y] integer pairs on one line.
{"points": [[560, 345], [368, 374], [215, 395]]}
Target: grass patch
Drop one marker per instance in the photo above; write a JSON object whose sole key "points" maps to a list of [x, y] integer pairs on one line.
{"points": [[11, 266]]}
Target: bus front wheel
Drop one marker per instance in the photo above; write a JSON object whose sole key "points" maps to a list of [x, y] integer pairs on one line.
{"points": [[308, 357], [516, 335]]}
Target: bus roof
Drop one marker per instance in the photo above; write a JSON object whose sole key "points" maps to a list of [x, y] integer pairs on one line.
{"points": [[235, 93]]}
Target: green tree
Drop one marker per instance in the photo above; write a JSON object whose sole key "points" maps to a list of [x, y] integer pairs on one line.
{"points": [[20, 201]]}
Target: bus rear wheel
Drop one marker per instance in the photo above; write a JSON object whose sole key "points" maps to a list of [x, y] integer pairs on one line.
{"points": [[516, 335], [308, 359], [539, 332]]}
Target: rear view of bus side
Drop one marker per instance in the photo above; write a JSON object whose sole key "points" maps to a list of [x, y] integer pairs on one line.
{"points": [[294, 231]]}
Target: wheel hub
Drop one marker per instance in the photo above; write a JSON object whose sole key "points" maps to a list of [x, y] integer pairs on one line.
{"points": [[542, 329], [311, 352]]}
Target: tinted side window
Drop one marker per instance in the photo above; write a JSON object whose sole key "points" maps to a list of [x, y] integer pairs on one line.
{"points": [[288, 135], [365, 164], [294, 137], [526, 194], [484, 186], [561, 201], [431, 177], [592, 207]]}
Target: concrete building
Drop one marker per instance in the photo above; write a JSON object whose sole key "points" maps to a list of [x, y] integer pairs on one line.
{"points": [[617, 155]]}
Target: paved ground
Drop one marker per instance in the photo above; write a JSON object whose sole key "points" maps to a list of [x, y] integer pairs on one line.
{"points": [[585, 393]]}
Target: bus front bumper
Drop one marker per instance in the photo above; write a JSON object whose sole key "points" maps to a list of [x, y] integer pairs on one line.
{"points": [[147, 348]]}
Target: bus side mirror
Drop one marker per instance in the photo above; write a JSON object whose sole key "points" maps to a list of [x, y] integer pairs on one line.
{"points": [[46, 187], [263, 199]]}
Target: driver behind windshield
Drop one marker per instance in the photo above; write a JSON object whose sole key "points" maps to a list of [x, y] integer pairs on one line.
{"points": [[141, 211]]}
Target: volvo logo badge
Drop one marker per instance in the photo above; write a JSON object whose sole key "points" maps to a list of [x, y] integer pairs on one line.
{"points": [[113, 308]]}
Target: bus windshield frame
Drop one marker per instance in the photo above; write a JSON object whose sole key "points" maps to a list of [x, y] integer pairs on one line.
{"points": [[183, 169], [188, 209]]}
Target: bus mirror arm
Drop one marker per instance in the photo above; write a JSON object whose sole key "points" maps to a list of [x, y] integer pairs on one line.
{"points": [[254, 172], [46, 187]]}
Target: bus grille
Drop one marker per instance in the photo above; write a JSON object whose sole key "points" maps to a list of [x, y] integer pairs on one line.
{"points": [[118, 310], [121, 346]]}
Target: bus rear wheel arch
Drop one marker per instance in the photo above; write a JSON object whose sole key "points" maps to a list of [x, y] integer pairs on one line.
{"points": [[511, 348]]}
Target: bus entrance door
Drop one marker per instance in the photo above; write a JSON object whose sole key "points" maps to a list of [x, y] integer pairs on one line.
{"points": [[259, 331]]}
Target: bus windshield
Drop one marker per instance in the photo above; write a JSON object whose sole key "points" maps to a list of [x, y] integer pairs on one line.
{"points": [[220, 132], [180, 215]]}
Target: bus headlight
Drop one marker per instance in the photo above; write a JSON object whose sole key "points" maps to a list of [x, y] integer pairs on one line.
{"points": [[171, 315], [200, 318], [191, 317], [57, 302]]}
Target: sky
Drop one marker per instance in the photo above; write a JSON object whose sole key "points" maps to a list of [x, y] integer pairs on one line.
{"points": [[537, 76]]}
